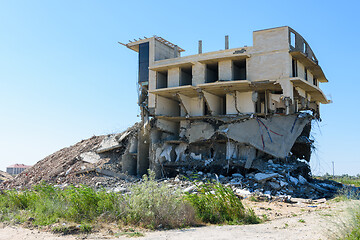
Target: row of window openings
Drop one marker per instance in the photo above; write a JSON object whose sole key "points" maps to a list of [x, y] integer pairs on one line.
{"points": [[304, 45], [261, 106], [211, 74], [295, 72]]}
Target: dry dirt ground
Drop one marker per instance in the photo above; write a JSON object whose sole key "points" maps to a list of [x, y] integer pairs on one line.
{"points": [[287, 221]]}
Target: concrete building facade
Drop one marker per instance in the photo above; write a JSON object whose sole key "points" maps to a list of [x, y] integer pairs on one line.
{"points": [[225, 109], [16, 169]]}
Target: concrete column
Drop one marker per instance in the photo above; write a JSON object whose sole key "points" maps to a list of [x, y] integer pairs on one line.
{"points": [[174, 77], [225, 70], [143, 151], [198, 72], [152, 86]]}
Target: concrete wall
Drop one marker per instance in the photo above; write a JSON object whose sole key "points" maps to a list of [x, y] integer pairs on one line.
{"points": [[271, 40], [271, 65], [166, 107], [163, 51], [270, 58], [243, 104]]}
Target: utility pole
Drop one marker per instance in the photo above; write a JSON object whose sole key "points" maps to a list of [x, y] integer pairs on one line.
{"points": [[333, 169]]}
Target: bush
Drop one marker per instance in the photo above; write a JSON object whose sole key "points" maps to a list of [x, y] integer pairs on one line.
{"points": [[215, 203], [153, 206]]}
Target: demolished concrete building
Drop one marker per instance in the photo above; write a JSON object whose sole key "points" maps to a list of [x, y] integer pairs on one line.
{"points": [[226, 108], [238, 116]]}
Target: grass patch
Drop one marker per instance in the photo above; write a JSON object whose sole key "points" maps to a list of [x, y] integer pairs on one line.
{"points": [[350, 230], [150, 205]]}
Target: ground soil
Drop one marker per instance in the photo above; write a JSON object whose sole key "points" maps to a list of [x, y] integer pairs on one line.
{"points": [[286, 221]]}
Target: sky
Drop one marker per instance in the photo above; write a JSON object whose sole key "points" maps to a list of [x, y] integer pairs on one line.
{"points": [[64, 77]]}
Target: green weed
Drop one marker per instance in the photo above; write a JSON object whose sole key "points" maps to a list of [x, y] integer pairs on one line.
{"points": [[215, 203]]}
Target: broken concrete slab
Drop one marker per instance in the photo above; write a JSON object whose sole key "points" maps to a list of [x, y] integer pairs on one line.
{"points": [[275, 135], [90, 157], [109, 143], [263, 177]]}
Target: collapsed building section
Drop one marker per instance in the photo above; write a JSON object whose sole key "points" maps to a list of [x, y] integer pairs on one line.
{"points": [[226, 108]]}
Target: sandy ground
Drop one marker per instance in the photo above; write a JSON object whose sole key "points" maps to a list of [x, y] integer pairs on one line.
{"points": [[287, 221]]}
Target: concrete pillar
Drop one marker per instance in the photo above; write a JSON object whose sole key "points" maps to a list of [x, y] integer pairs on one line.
{"points": [[174, 77], [128, 163], [152, 86], [143, 151], [200, 47], [225, 70], [154, 164], [198, 72]]}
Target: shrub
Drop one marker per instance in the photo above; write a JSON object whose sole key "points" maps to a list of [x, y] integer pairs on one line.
{"points": [[215, 203], [154, 206]]}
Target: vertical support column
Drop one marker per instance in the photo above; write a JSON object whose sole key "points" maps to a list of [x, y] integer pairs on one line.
{"points": [[198, 72], [143, 151], [174, 77], [225, 70], [200, 47]]}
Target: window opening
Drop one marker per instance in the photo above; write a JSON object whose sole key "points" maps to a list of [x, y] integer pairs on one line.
{"points": [[239, 70], [294, 68], [185, 76], [212, 73], [161, 79]]}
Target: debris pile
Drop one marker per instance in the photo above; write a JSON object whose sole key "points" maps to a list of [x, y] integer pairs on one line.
{"points": [[87, 162]]}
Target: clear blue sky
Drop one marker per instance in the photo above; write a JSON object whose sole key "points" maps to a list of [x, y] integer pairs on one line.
{"points": [[64, 78]]}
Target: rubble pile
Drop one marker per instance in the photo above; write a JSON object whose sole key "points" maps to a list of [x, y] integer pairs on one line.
{"points": [[97, 159], [108, 161]]}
